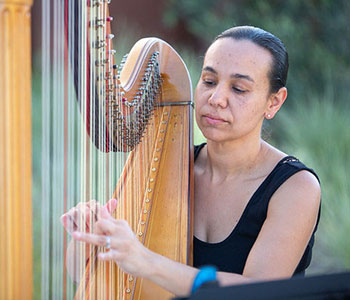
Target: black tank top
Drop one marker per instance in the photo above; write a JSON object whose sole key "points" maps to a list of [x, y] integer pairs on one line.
{"points": [[231, 254]]}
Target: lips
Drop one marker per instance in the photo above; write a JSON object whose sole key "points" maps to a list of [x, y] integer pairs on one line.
{"points": [[214, 119]]}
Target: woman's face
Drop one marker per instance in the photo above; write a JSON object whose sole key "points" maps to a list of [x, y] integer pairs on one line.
{"points": [[232, 95]]}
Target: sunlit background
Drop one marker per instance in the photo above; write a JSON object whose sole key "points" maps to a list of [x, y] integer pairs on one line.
{"points": [[312, 125]]}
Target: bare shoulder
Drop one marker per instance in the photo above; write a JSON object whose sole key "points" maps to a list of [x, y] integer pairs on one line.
{"points": [[301, 194], [300, 189], [304, 180]]}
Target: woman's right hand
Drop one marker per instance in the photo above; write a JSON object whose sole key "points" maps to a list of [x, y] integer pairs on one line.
{"points": [[84, 215]]}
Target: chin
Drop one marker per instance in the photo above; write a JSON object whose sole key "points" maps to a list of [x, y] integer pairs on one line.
{"points": [[214, 135]]}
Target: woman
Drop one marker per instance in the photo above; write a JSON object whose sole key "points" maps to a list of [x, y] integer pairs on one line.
{"points": [[255, 218]]}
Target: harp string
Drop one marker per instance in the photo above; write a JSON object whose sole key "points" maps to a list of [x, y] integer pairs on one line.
{"points": [[98, 57], [78, 158], [86, 181], [109, 75], [73, 162], [92, 112], [57, 175], [45, 148]]}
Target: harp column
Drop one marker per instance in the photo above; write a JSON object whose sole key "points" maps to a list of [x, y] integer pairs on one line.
{"points": [[15, 151]]}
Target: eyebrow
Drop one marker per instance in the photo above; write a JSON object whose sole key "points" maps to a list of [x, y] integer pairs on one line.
{"points": [[235, 75]]}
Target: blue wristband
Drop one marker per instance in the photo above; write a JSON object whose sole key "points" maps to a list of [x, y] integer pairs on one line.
{"points": [[205, 274]]}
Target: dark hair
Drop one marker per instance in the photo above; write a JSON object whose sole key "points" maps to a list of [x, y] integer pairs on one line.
{"points": [[279, 69]]}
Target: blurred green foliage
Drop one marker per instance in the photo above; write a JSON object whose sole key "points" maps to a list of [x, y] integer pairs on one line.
{"points": [[315, 32], [36, 173], [318, 133]]}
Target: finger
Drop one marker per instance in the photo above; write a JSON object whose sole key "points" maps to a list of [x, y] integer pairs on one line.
{"points": [[95, 207], [91, 203], [94, 239], [105, 227], [64, 220], [90, 218], [80, 220], [111, 205], [106, 256], [80, 204], [105, 213], [92, 214], [68, 223]]}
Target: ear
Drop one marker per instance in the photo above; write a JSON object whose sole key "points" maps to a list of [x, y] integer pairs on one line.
{"points": [[275, 102]]}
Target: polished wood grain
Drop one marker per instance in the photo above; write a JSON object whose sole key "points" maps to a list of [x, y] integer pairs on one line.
{"points": [[15, 151]]}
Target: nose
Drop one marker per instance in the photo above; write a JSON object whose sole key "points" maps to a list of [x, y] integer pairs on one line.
{"points": [[219, 97]]}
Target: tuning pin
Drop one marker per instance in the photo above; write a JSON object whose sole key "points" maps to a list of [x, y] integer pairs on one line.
{"points": [[100, 23], [98, 3]]}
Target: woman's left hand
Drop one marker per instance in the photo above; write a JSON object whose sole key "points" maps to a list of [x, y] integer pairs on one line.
{"points": [[125, 249]]}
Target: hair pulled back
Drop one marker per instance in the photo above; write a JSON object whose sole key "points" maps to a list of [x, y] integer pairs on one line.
{"points": [[279, 68]]}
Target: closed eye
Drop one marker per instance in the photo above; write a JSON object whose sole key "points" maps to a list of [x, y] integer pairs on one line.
{"points": [[238, 90], [209, 82]]}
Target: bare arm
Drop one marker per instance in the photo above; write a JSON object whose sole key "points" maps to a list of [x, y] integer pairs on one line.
{"points": [[290, 221], [279, 247]]}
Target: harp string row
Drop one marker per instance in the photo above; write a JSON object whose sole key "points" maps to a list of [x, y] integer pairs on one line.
{"points": [[86, 114], [106, 135]]}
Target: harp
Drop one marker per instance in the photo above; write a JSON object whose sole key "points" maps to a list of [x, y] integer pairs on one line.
{"points": [[122, 131]]}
